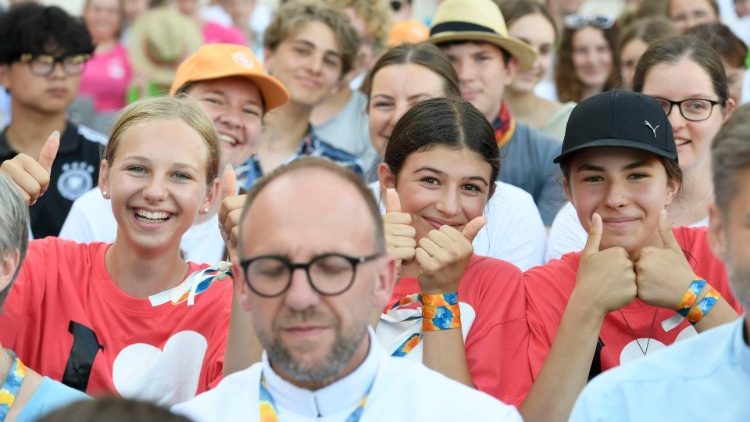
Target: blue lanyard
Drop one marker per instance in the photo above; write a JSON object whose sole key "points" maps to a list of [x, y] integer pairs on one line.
{"points": [[12, 385], [269, 412]]}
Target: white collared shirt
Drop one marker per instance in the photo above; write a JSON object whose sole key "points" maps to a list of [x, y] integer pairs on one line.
{"points": [[402, 390], [341, 397]]}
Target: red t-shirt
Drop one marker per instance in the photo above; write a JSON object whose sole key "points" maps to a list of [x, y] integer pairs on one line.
{"points": [[629, 332], [494, 322], [68, 320]]}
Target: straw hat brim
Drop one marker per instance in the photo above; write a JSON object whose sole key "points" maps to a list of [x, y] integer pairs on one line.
{"points": [[518, 49]]}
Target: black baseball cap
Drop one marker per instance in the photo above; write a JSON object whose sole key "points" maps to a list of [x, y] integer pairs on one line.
{"points": [[619, 119]]}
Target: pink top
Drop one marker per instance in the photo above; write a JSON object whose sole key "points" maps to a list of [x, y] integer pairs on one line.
{"points": [[106, 78], [216, 33]]}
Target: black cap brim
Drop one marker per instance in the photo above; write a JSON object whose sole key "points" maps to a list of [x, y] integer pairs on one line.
{"points": [[624, 143]]}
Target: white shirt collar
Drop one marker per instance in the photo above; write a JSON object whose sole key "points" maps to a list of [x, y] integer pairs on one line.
{"points": [[342, 395]]}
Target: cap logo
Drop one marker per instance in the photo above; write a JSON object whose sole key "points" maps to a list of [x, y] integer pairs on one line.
{"points": [[242, 59], [653, 129]]}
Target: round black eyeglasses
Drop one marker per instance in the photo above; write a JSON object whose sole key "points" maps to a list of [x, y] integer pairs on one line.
{"points": [[329, 274]]}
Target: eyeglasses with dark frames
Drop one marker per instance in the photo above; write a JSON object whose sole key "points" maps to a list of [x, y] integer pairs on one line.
{"points": [[575, 21], [44, 64], [329, 274], [692, 109]]}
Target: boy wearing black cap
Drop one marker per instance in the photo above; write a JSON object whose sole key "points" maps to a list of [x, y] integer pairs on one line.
{"points": [[631, 290], [41, 58], [473, 35], [713, 366]]}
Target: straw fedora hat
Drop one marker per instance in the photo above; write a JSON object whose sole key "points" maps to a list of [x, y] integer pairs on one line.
{"points": [[477, 20]]}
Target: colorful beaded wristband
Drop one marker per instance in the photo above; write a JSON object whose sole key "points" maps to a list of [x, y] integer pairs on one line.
{"points": [[690, 296], [704, 306], [440, 312]]}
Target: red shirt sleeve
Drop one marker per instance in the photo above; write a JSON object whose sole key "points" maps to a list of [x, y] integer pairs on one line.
{"points": [[547, 288], [497, 342]]}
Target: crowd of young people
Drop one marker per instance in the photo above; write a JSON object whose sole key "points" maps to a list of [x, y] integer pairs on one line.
{"points": [[164, 256]]}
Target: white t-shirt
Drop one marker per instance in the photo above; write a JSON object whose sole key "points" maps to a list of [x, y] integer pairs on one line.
{"points": [[402, 390], [514, 231], [91, 220], [568, 235]]}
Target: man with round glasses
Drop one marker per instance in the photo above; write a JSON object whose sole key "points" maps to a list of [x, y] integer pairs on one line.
{"points": [[313, 269], [41, 58]]}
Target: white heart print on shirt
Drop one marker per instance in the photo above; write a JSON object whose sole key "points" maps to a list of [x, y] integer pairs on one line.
{"points": [[166, 376], [634, 350]]}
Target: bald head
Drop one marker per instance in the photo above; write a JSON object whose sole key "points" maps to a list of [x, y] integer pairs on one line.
{"points": [[319, 217], [314, 192]]}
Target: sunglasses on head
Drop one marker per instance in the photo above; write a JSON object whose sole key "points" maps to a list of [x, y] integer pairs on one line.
{"points": [[579, 21]]}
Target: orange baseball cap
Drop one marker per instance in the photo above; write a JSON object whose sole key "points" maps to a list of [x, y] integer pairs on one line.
{"points": [[214, 61], [407, 32]]}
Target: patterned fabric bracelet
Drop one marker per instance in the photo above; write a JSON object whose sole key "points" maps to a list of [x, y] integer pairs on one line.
{"points": [[690, 296], [704, 306], [440, 312], [12, 384]]}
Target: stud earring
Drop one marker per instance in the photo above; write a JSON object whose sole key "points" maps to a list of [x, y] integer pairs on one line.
{"points": [[203, 211]]}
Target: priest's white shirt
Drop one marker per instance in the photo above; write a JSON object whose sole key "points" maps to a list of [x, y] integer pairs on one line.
{"points": [[401, 390]]}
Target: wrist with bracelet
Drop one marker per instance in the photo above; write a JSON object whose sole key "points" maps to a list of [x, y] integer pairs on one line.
{"points": [[705, 305], [691, 307], [440, 311]]}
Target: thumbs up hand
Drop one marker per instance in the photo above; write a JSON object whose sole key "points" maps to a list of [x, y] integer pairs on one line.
{"points": [[399, 233], [606, 279], [443, 256], [662, 273], [230, 210], [32, 176]]}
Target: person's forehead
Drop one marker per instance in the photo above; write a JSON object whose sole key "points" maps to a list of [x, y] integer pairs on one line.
{"points": [[307, 184], [315, 34], [469, 47], [313, 206]]}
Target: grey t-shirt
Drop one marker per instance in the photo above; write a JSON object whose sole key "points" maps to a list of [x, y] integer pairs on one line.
{"points": [[348, 130]]}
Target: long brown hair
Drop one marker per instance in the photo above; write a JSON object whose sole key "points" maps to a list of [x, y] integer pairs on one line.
{"points": [[672, 50], [569, 87]]}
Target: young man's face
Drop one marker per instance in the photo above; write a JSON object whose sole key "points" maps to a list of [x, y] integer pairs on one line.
{"points": [[36, 91], [482, 74], [307, 62]]}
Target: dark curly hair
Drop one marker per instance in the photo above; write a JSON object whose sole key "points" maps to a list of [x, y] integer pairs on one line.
{"points": [[30, 28]]}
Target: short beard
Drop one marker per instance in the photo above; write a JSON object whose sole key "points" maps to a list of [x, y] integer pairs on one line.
{"points": [[325, 372]]}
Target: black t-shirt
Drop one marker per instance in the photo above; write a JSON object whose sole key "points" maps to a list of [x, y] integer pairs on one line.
{"points": [[74, 172]]}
